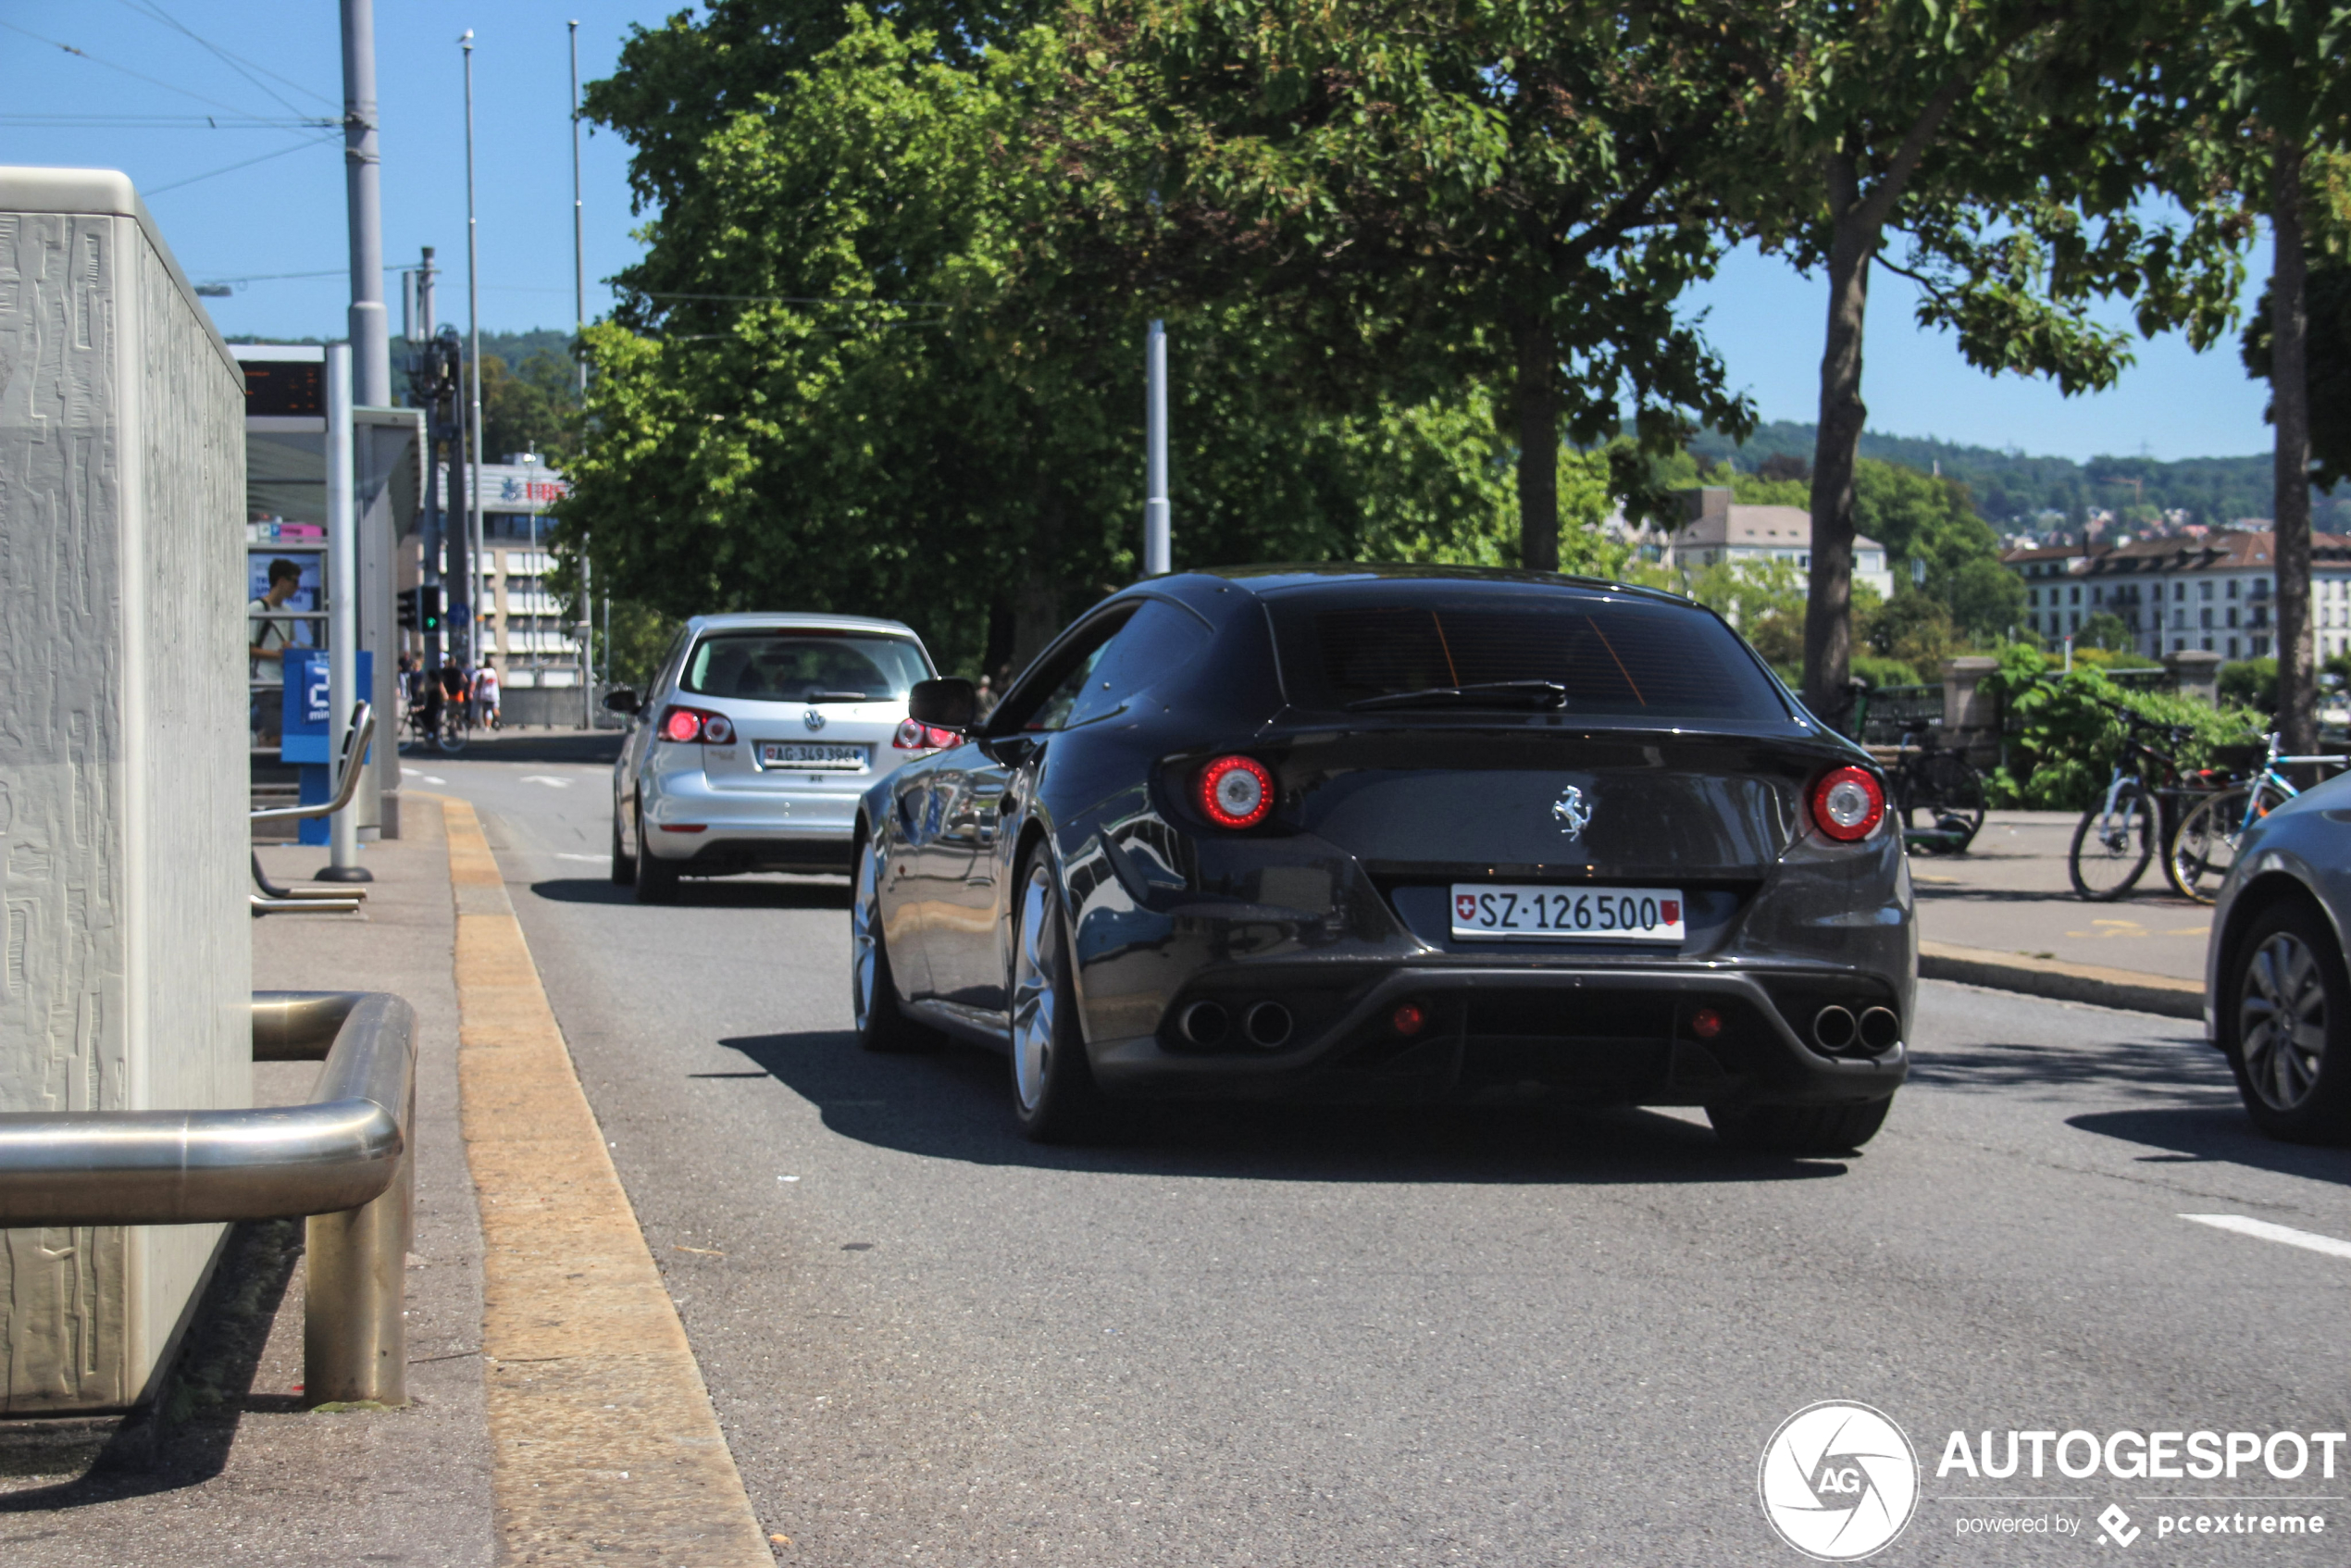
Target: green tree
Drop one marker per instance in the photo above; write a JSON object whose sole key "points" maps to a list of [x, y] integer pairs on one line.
{"points": [[533, 407], [2006, 142], [1435, 195]]}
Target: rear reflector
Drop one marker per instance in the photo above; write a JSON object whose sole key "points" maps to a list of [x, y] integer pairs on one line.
{"points": [[683, 827]]}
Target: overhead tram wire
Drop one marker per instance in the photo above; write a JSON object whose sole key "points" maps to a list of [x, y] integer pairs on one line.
{"points": [[126, 70], [167, 123], [235, 62], [335, 135]]}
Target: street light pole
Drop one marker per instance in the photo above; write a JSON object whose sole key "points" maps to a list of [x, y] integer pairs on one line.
{"points": [[1157, 524], [343, 615], [476, 578], [578, 231], [362, 172]]}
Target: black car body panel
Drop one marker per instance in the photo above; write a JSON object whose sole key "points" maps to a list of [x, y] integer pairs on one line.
{"points": [[1335, 908]]}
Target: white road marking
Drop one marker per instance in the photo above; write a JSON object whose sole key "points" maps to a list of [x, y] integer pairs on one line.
{"points": [[2284, 1234], [546, 779], [429, 778], [411, 773], [599, 859]]}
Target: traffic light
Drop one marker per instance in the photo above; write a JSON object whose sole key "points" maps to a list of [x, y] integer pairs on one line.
{"points": [[429, 605], [407, 610]]}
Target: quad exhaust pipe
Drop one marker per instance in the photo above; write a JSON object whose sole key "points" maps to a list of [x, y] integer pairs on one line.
{"points": [[1834, 1029], [1205, 1022], [1268, 1025]]}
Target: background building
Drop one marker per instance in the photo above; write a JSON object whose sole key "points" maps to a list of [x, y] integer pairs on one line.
{"points": [[525, 635], [2217, 594], [1722, 530]]}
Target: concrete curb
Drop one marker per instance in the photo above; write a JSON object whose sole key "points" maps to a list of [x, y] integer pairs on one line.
{"points": [[605, 1445], [2130, 990]]}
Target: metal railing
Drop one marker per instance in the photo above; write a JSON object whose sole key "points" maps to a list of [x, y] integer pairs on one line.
{"points": [[345, 1160], [272, 899]]}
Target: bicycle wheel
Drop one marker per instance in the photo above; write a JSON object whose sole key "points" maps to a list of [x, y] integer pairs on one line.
{"points": [[453, 737], [2113, 845], [2205, 845], [1948, 796]]}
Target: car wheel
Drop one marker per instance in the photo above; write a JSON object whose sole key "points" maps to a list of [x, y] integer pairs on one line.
{"points": [[1800, 1129], [1054, 1096], [624, 864], [656, 878], [2287, 998], [882, 1025]]}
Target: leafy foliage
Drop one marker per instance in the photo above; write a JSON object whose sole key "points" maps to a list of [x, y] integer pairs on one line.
{"points": [[2067, 736]]}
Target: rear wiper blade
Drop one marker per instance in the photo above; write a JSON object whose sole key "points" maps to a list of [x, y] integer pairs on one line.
{"points": [[1533, 694], [836, 696]]}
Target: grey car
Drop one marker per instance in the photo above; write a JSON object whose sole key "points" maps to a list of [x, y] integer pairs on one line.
{"points": [[752, 744], [2277, 995]]}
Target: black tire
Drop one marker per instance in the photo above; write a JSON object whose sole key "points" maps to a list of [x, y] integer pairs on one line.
{"points": [[1800, 1129], [2111, 848], [1054, 1096], [656, 878], [453, 737], [2203, 846], [875, 1010], [1948, 797], [624, 864], [2295, 1081]]}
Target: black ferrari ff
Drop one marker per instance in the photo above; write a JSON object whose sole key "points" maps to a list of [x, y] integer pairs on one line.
{"points": [[1377, 833]]}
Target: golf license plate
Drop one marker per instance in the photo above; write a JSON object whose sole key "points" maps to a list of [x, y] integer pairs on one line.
{"points": [[815, 758], [1491, 912]]}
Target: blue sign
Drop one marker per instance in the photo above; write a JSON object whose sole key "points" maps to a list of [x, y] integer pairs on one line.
{"points": [[306, 739]]}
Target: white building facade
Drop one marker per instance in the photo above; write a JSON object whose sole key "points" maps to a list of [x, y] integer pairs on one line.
{"points": [[2217, 594], [1720, 530]]}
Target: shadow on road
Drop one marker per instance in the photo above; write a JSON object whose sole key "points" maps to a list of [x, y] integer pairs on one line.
{"points": [[2200, 1135], [725, 892], [951, 1104], [2174, 1069], [587, 748]]}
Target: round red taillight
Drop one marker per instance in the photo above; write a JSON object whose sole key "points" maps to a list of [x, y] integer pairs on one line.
{"points": [[717, 730], [683, 724], [1847, 804], [1236, 791], [1410, 1018], [1706, 1023]]}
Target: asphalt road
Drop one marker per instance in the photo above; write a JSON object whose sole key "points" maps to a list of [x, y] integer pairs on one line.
{"points": [[1281, 1336]]}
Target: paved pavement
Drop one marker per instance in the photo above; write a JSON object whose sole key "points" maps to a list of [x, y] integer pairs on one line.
{"points": [[1272, 1336], [250, 1478], [2010, 893]]}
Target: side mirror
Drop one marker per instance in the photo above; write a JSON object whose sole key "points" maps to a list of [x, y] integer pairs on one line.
{"points": [[621, 700], [950, 703]]}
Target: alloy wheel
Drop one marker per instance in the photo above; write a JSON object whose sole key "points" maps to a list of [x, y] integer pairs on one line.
{"points": [[2281, 1021], [1033, 978]]}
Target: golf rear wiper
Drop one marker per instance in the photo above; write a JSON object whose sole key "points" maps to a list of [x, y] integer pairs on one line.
{"points": [[836, 696], [1538, 695]]}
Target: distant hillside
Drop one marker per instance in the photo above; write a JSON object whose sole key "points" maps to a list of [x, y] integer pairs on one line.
{"points": [[2012, 490]]}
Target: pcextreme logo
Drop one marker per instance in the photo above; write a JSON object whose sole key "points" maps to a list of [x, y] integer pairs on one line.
{"points": [[1838, 1481]]}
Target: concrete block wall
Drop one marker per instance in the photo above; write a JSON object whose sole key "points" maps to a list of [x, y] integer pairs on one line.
{"points": [[125, 955]]}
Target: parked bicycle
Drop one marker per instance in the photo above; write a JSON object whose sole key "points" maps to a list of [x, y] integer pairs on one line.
{"points": [[445, 726], [2140, 810], [1936, 794], [2199, 853]]}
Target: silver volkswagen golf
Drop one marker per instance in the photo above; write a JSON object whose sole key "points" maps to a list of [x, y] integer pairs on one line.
{"points": [[751, 748]]}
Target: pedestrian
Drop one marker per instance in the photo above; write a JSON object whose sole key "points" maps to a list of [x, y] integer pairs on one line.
{"points": [[270, 636], [486, 697]]}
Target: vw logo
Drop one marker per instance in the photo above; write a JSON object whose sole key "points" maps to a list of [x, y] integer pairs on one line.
{"points": [[1572, 812], [813, 718], [1839, 1481]]}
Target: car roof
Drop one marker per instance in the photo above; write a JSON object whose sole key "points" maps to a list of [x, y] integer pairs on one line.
{"points": [[763, 620], [1285, 578]]}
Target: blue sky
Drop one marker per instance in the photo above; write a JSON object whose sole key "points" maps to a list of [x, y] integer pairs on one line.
{"points": [[285, 214]]}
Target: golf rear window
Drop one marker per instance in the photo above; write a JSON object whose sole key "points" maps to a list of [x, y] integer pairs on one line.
{"points": [[1612, 656], [791, 666]]}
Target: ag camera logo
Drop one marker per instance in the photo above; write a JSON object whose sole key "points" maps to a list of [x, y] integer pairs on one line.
{"points": [[1839, 1481]]}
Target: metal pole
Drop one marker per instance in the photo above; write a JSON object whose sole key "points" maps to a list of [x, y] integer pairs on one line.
{"points": [[473, 378], [362, 172], [587, 640], [343, 612], [1157, 524], [429, 570], [579, 232]]}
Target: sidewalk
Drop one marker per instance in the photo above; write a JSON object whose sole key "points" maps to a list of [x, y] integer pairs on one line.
{"points": [[2005, 914], [247, 1475]]}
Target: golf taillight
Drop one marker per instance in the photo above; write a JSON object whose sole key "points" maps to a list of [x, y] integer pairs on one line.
{"points": [[1847, 804], [1236, 791], [915, 737], [691, 725]]}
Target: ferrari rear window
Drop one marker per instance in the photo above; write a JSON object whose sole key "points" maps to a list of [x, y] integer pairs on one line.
{"points": [[1603, 655]]}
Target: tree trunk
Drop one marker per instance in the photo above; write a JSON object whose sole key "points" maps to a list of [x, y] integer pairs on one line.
{"points": [[1036, 593], [1828, 611], [1536, 402], [2290, 404]]}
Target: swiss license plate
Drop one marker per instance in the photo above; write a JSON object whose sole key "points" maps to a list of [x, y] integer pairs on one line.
{"points": [[1489, 912], [817, 759]]}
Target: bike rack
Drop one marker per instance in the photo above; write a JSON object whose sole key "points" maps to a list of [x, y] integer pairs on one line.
{"points": [[345, 1160], [273, 898]]}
